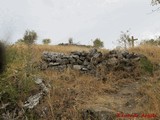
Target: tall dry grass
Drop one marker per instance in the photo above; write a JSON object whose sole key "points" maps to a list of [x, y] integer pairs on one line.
{"points": [[152, 52], [70, 90]]}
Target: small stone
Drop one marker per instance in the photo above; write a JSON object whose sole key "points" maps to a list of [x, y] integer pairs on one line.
{"points": [[84, 69], [124, 54], [82, 58], [79, 62], [92, 51], [66, 56], [65, 61], [97, 55], [33, 101], [58, 60], [38, 81], [77, 67], [54, 64], [89, 67], [112, 61], [86, 63], [76, 53], [84, 54], [75, 56]]}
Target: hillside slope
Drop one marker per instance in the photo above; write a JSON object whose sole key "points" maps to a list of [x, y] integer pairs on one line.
{"points": [[73, 95]]}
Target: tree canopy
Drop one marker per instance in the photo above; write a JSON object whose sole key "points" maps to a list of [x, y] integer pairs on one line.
{"points": [[70, 40], [155, 2], [30, 37], [98, 43], [46, 41]]}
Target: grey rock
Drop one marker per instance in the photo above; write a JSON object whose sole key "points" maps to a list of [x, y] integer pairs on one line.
{"points": [[75, 56], [112, 61], [72, 61], [79, 62], [82, 58], [97, 55], [89, 61], [33, 101], [86, 63], [53, 64], [84, 69], [92, 51], [44, 88], [62, 66], [76, 53], [58, 60], [64, 61], [66, 57], [77, 67], [84, 54], [136, 59], [38, 81], [125, 54], [89, 67], [69, 65]]}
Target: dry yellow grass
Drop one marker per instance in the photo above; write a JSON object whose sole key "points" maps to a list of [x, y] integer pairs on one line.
{"points": [[71, 91], [152, 52]]}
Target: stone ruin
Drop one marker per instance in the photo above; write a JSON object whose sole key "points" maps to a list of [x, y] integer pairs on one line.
{"points": [[91, 61]]}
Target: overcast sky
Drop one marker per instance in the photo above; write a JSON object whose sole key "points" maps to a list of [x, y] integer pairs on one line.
{"points": [[82, 20]]}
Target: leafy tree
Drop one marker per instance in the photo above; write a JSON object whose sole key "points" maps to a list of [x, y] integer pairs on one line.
{"points": [[46, 41], [29, 37], [70, 40], [98, 43], [155, 2], [124, 39], [20, 41]]}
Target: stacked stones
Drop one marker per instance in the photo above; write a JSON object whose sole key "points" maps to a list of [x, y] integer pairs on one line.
{"points": [[90, 61], [76, 60]]}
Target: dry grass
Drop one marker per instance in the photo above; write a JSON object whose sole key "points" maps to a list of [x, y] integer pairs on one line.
{"points": [[71, 91], [152, 52]]}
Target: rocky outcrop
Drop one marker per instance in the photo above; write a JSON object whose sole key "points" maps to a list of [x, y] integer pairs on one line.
{"points": [[12, 111], [91, 61], [33, 100]]}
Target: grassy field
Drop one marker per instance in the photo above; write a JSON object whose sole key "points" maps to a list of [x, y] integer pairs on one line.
{"points": [[71, 91]]}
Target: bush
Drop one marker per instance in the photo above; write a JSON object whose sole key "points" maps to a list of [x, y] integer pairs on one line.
{"points": [[28, 38], [46, 41], [98, 43], [146, 65]]}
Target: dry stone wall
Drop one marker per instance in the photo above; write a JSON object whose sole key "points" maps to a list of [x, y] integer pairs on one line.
{"points": [[91, 61]]}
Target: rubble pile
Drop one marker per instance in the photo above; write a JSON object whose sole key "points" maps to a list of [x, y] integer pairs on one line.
{"points": [[91, 61]]}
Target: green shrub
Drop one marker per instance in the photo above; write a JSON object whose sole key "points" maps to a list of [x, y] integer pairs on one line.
{"points": [[146, 65]]}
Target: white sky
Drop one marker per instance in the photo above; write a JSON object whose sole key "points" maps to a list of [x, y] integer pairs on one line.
{"points": [[82, 20]]}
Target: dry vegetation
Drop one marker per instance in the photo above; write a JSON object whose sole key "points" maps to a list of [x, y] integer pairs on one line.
{"points": [[72, 91]]}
